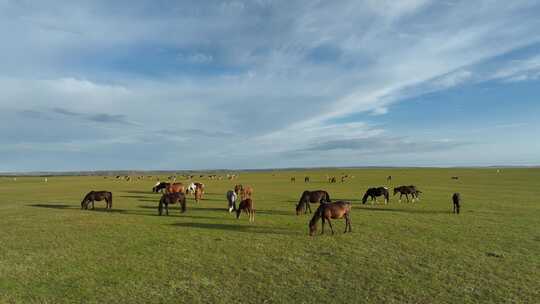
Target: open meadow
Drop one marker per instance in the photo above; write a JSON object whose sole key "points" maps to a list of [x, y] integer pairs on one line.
{"points": [[51, 251]]}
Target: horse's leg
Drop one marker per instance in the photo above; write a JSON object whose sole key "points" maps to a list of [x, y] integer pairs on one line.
{"points": [[308, 207], [346, 222], [167, 209], [400, 195], [322, 225], [330, 224], [93, 205]]}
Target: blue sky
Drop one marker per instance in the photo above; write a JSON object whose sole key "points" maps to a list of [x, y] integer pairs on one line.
{"points": [[97, 85]]}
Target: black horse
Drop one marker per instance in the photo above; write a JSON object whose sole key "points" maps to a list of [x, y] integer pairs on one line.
{"points": [[97, 196], [374, 192], [318, 196], [412, 190], [456, 199], [172, 198], [160, 186]]}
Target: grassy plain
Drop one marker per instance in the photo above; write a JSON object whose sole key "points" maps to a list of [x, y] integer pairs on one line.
{"points": [[53, 252]]}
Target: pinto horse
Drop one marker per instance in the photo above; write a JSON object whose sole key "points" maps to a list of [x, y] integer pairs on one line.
{"points": [[160, 186], [407, 190], [172, 198], [231, 199], [374, 192], [92, 196], [247, 206], [337, 210], [314, 197]]}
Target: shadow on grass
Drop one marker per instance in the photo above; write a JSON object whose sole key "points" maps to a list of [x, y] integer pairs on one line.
{"points": [[135, 196], [236, 227], [55, 206], [140, 192], [97, 209], [420, 211]]}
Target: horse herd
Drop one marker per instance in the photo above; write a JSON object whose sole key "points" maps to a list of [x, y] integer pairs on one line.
{"points": [[175, 193]]}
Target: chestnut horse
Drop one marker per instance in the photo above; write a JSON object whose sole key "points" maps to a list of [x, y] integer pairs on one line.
{"points": [[92, 196], [337, 210], [198, 194], [246, 192], [172, 198], [314, 197], [247, 206], [175, 188]]}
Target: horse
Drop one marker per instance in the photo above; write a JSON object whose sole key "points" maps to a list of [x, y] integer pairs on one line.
{"points": [[306, 179], [175, 188], [455, 177], [92, 196], [456, 199], [238, 189], [172, 198], [332, 180], [293, 179], [407, 190], [337, 210], [231, 199], [246, 192], [198, 194], [318, 196], [247, 206], [389, 178], [374, 192], [159, 186]]}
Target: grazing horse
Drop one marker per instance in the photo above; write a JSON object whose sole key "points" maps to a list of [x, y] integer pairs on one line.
{"points": [[247, 206], [407, 190], [332, 180], [455, 177], [389, 178], [314, 197], [231, 199], [172, 198], [246, 192], [97, 196], [159, 186], [175, 188], [456, 199], [306, 179], [374, 192], [337, 210], [293, 179]]}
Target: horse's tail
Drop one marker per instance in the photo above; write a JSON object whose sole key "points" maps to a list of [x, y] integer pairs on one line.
{"points": [[364, 199], [110, 200]]}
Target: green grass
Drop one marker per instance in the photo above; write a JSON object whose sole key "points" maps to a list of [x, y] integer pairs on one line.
{"points": [[53, 252]]}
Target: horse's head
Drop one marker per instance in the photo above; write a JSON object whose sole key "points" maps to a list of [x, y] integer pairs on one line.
{"points": [[312, 227], [299, 209]]}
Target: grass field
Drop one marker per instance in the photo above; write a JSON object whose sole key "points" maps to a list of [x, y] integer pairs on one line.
{"points": [[53, 252]]}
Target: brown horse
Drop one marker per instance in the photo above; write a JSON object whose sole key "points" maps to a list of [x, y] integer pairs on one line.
{"points": [[337, 210], [247, 206], [92, 196], [198, 194], [238, 189], [314, 197], [172, 198], [175, 188], [246, 192]]}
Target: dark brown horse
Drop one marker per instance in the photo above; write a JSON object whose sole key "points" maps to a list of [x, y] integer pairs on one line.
{"points": [[337, 210], [314, 197], [247, 206], [172, 198], [456, 199], [306, 179], [374, 192], [407, 190], [97, 196]]}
